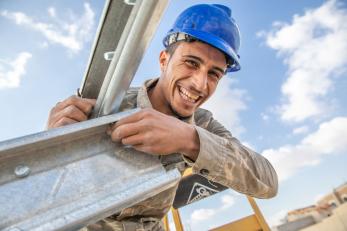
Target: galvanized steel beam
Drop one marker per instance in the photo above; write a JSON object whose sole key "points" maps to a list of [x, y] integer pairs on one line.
{"points": [[136, 36], [69, 177], [113, 19], [66, 178]]}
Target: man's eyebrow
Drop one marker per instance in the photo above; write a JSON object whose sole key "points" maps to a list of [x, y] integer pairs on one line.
{"points": [[202, 61]]}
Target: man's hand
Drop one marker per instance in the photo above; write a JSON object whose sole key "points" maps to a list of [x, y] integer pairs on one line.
{"points": [[153, 132], [73, 109]]}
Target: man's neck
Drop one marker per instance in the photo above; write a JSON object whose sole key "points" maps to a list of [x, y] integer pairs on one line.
{"points": [[157, 98]]}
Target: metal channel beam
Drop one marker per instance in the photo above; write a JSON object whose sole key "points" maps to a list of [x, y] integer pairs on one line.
{"points": [[69, 177], [112, 22], [125, 30], [138, 32]]}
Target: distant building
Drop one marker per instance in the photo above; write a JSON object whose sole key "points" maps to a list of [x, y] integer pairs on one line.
{"points": [[313, 214], [317, 212], [337, 197], [296, 225]]}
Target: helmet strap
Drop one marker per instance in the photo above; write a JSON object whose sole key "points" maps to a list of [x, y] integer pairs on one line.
{"points": [[176, 37]]}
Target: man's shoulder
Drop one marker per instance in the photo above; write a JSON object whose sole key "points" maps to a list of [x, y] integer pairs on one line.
{"points": [[131, 94], [130, 98], [202, 117]]}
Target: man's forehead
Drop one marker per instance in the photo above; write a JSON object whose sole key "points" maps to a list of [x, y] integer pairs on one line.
{"points": [[201, 50]]}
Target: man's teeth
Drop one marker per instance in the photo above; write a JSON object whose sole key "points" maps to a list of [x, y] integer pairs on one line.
{"points": [[188, 96]]}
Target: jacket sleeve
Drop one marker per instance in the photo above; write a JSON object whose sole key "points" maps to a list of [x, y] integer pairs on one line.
{"points": [[223, 159]]}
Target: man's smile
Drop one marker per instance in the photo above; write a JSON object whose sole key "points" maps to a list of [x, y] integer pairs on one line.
{"points": [[187, 95]]}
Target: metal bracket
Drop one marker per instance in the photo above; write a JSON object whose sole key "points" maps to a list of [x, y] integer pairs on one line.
{"points": [[130, 2], [108, 55]]}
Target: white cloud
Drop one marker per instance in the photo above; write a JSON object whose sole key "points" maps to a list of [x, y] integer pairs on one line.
{"points": [[264, 116], [226, 104], [202, 214], [71, 34], [300, 130], [43, 44], [11, 72], [227, 201], [329, 139], [314, 47], [51, 11]]}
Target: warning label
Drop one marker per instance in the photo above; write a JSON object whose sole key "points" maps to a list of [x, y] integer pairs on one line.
{"points": [[200, 191]]}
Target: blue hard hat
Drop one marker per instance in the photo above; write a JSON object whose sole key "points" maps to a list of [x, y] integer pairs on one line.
{"points": [[211, 24]]}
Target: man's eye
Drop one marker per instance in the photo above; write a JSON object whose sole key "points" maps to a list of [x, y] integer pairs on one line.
{"points": [[191, 63], [215, 75]]}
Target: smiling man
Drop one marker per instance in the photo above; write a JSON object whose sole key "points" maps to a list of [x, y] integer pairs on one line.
{"points": [[200, 48]]}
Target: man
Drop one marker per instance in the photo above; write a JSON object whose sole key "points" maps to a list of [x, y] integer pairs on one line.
{"points": [[200, 48]]}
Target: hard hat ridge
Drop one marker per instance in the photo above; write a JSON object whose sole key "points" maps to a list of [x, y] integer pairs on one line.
{"points": [[226, 9]]}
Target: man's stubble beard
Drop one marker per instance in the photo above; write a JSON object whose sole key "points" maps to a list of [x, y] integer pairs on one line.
{"points": [[177, 115]]}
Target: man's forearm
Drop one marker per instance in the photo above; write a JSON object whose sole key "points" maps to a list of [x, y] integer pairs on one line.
{"points": [[190, 143]]}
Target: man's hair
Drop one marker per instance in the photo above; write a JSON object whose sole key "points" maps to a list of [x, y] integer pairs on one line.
{"points": [[172, 48]]}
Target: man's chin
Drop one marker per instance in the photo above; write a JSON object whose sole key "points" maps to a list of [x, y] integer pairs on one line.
{"points": [[180, 115]]}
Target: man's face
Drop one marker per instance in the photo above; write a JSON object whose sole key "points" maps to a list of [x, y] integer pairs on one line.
{"points": [[190, 76]]}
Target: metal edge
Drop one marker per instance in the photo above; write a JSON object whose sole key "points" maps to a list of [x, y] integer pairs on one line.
{"points": [[96, 40], [23, 141]]}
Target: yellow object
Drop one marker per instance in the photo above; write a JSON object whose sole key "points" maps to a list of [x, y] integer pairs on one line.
{"points": [[255, 222], [249, 223], [177, 219], [188, 172], [264, 226], [166, 223]]}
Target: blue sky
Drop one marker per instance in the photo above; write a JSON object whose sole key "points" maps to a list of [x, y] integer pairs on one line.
{"points": [[288, 102]]}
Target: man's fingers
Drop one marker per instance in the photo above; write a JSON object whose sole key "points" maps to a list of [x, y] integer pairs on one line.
{"points": [[64, 121], [144, 148], [125, 130], [134, 140], [85, 105], [134, 117], [71, 112], [127, 120], [73, 109]]}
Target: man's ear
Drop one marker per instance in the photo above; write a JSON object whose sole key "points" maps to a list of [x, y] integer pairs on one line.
{"points": [[163, 60]]}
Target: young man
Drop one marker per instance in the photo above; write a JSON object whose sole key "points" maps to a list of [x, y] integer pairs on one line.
{"points": [[200, 48]]}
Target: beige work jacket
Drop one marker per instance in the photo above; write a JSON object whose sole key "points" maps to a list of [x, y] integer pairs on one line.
{"points": [[222, 158]]}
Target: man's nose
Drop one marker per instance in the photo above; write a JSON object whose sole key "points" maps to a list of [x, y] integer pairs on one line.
{"points": [[200, 81]]}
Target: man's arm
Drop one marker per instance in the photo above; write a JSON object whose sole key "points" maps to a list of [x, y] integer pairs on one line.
{"points": [[209, 148], [223, 159]]}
